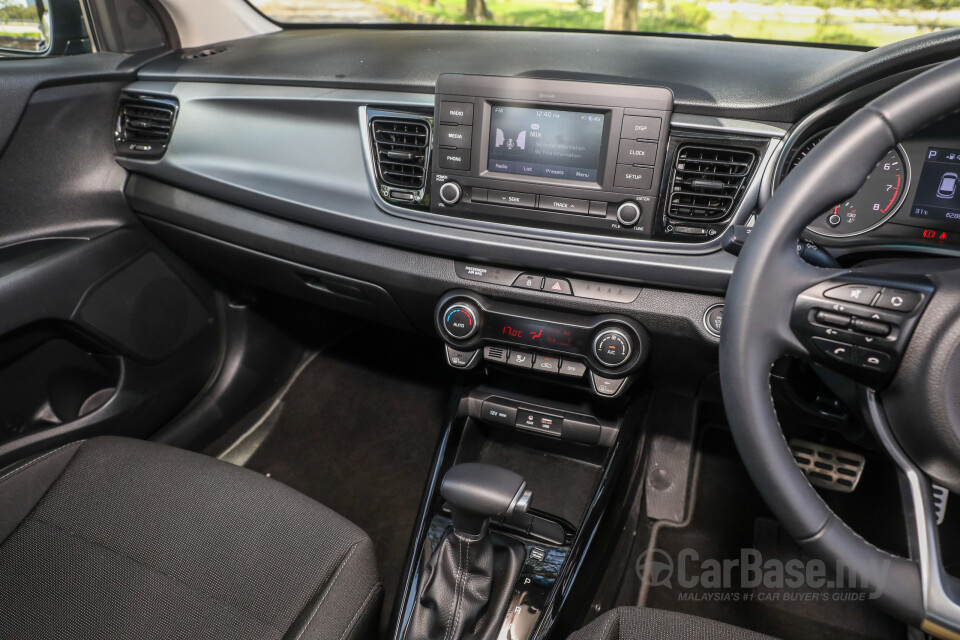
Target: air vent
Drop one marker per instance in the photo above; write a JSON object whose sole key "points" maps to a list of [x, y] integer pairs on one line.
{"points": [[708, 182], [144, 125], [401, 150]]}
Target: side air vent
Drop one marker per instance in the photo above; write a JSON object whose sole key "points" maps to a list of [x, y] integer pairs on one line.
{"points": [[144, 125], [401, 151], [708, 182]]}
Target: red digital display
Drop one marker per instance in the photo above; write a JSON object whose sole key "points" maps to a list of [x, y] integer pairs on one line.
{"points": [[534, 334]]}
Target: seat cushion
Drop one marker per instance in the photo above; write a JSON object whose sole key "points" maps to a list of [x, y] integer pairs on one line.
{"points": [[118, 538], [639, 623]]}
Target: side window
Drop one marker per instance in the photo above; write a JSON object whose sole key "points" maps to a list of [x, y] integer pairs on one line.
{"points": [[30, 28]]}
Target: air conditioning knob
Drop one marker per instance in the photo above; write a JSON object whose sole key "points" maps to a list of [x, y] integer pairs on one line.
{"points": [[460, 320], [450, 193], [613, 347], [628, 213]]}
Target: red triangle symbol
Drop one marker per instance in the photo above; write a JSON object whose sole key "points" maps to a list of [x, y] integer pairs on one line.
{"points": [[556, 286]]}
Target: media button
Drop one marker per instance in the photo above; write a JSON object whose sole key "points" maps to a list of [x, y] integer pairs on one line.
{"points": [[454, 159], [633, 177], [634, 152], [456, 112], [564, 205], [512, 199], [640, 128], [455, 136]]}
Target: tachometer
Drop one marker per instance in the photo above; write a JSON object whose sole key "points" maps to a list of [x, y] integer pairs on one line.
{"points": [[876, 201]]}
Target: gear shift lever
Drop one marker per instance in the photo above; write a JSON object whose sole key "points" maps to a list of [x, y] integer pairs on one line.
{"points": [[467, 583], [477, 492]]}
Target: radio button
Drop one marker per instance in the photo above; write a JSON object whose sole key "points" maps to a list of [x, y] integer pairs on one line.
{"points": [[640, 128], [456, 112], [511, 198], [564, 205], [454, 159], [634, 152], [455, 136], [633, 177]]}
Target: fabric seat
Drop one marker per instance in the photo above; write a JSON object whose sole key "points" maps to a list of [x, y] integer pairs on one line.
{"points": [[118, 538], [638, 623]]}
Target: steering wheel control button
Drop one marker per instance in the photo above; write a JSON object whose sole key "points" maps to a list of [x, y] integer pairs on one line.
{"points": [[873, 360], [460, 321], [628, 213], [496, 354], [572, 368], [855, 293], [529, 281], [612, 347], [520, 359], [871, 327], [546, 364], [461, 359], [498, 413], [833, 319], [450, 193], [713, 319], [836, 350], [557, 285], [606, 386], [898, 300]]}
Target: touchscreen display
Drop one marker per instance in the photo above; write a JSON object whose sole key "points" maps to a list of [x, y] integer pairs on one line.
{"points": [[938, 192], [546, 143]]}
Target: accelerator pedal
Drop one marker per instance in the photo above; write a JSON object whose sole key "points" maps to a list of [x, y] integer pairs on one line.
{"points": [[827, 467]]}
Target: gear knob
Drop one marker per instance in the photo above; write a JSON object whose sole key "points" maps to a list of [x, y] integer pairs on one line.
{"points": [[477, 492]]}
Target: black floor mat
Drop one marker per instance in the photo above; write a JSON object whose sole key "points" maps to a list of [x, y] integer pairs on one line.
{"points": [[357, 433], [729, 516]]}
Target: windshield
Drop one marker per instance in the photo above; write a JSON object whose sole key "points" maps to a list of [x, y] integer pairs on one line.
{"points": [[868, 23]]}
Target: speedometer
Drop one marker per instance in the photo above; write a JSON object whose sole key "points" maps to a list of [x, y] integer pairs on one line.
{"points": [[876, 201]]}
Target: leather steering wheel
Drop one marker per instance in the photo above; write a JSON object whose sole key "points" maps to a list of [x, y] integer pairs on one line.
{"points": [[909, 377]]}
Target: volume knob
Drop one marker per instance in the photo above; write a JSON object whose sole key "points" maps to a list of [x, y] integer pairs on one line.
{"points": [[628, 213], [450, 193]]}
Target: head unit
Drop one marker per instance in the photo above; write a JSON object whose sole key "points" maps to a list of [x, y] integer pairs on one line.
{"points": [[580, 156]]}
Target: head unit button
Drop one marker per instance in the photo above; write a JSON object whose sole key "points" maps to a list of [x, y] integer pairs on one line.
{"points": [[512, 198], [634, 152], [633, 177], [564, 205], [454, 159], [460, 137], [640, 128], [456, 112]]}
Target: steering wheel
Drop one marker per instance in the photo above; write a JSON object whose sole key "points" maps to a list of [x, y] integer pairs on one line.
{"points": [[894, 327]]}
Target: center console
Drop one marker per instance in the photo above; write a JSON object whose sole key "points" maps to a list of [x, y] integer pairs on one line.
{"points": [[552, 154]]}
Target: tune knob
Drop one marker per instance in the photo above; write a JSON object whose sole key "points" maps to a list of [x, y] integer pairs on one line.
{"points": [[450, 193], [460, 320], [612, 347], [628, 213]]}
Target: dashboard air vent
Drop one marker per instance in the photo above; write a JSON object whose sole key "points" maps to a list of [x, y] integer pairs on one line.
{"points": [[144, 125], [401, 151], [708, 182]]}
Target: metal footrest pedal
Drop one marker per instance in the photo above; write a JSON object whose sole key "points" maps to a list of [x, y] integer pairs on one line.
{"points": [[827, 467]]}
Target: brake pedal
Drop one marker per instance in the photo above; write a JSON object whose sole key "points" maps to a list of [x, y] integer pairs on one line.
{"points": [[827, 467], [940, 495]]}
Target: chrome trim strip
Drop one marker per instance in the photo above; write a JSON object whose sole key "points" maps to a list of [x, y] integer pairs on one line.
{"points": [[727, 125]]}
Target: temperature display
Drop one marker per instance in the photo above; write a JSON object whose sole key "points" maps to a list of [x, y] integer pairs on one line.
{"points": [[535, 334]]}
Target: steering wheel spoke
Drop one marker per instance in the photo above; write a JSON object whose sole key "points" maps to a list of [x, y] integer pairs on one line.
{"points": [[859, 322], [940, 590]]}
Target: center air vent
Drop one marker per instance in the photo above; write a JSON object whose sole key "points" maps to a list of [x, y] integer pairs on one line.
{"points": [[144, 125], [401, 151], [708, 182]]}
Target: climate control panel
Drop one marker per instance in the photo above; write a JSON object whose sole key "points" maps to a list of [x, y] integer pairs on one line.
{"points": [[601, 350]]}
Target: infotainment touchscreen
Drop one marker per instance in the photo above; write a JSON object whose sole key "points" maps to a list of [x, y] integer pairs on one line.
{"points": [[546, 143]]}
